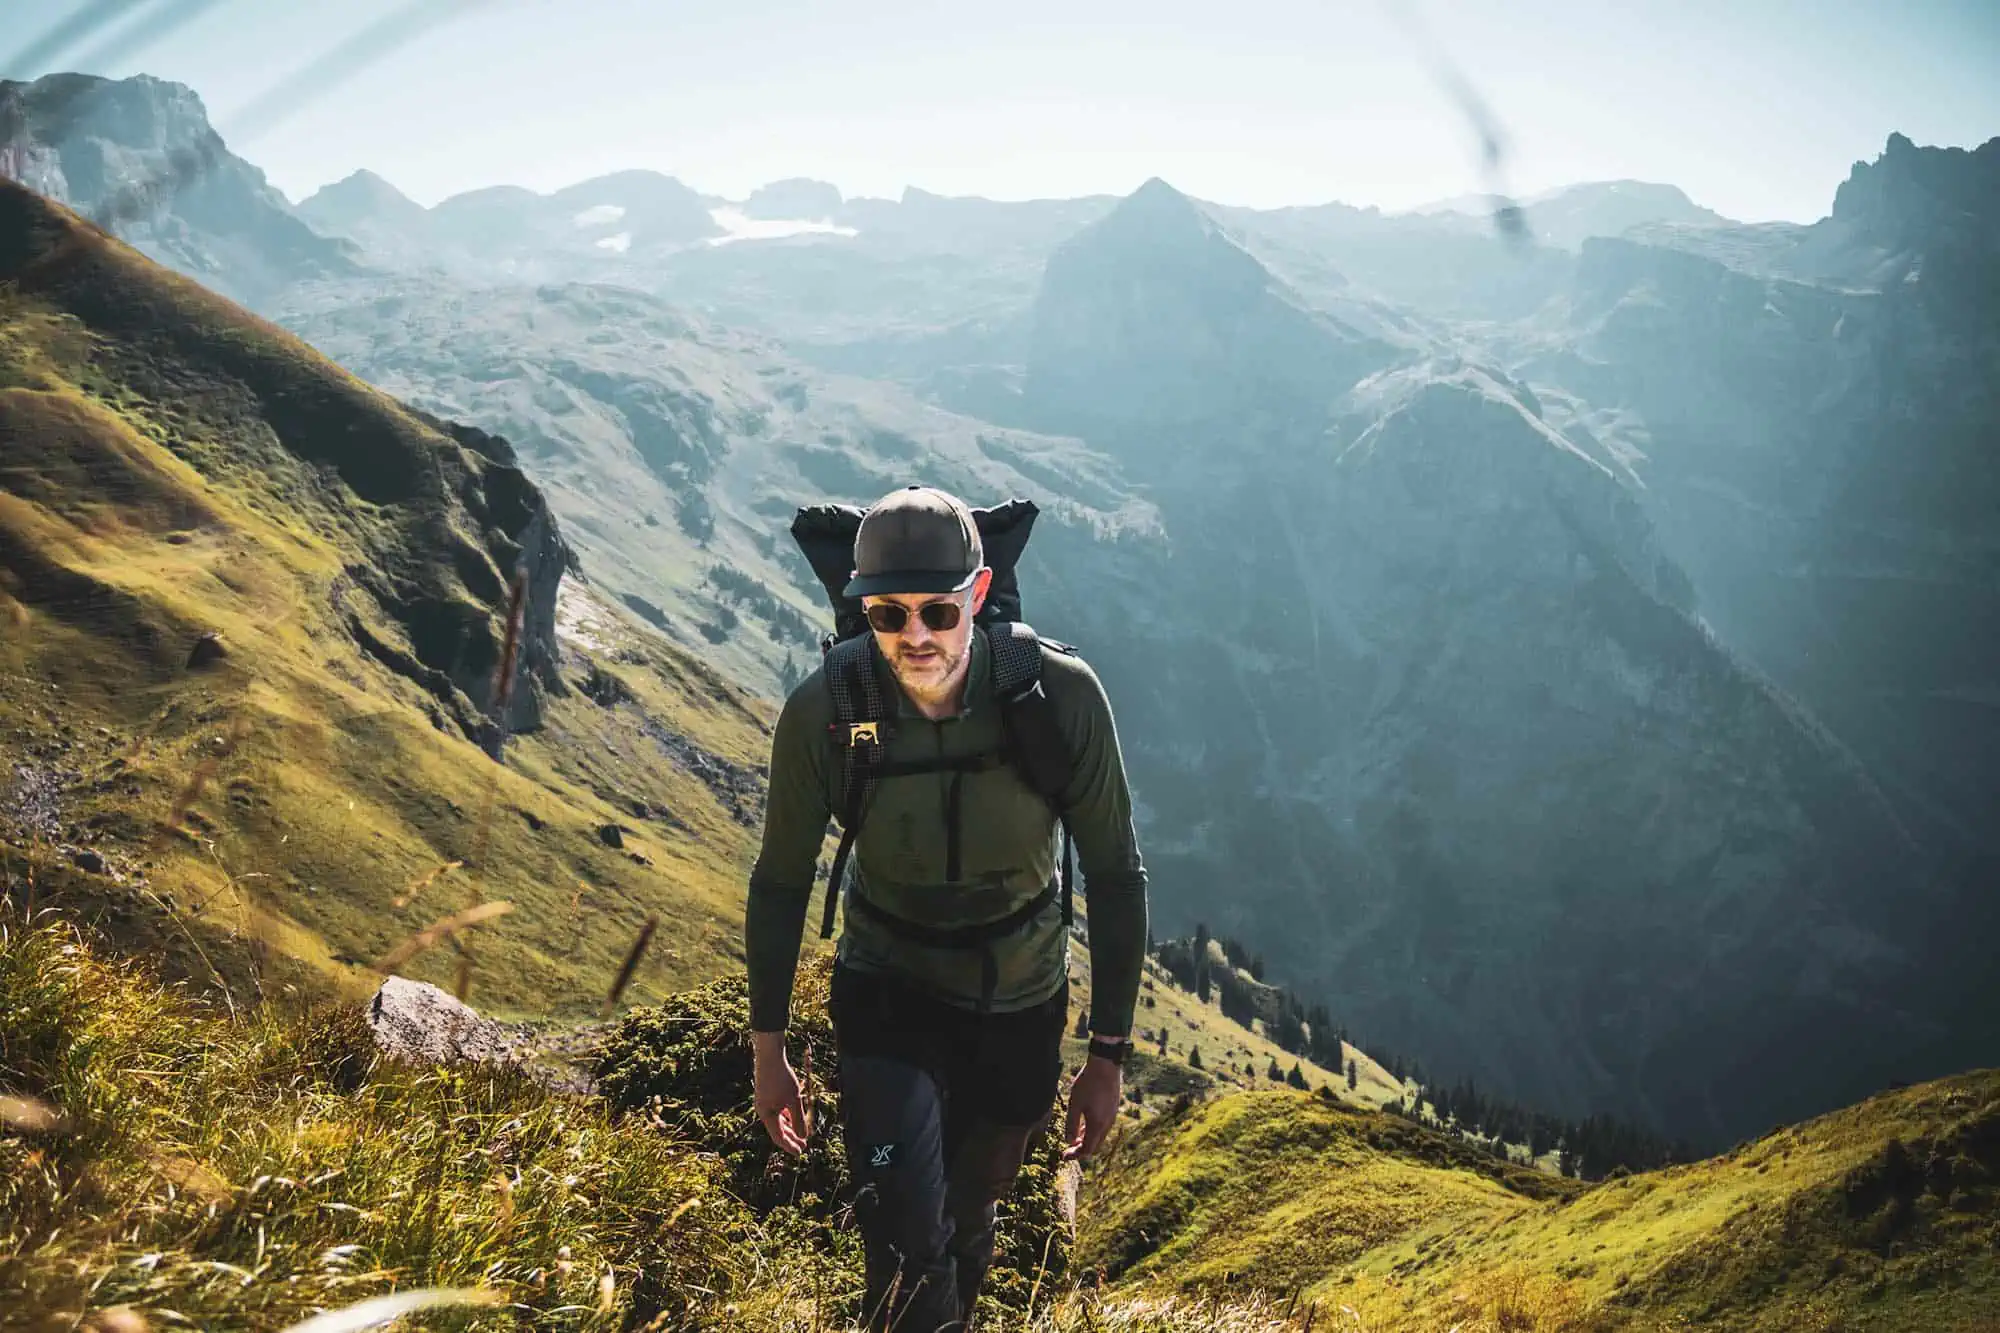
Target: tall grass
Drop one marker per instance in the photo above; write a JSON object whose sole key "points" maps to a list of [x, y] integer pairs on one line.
{"points": [[167, 1163], [248, 1173]]}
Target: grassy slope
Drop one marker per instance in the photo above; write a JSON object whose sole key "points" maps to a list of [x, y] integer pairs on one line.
{"points": [[243, 1172], [171, 466], [1233, 1057], [206, 1171], [1825, 1225], [156, 485]]}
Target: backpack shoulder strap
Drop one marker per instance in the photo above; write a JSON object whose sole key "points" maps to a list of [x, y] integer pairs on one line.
{"points": [[859, 734], [1039, 750]]}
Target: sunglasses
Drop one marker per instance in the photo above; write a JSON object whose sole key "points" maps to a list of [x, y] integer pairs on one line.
{"points": [[890, 617]]}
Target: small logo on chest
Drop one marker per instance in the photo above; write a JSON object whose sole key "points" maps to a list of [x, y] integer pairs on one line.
{"points": [[880, 1153]]}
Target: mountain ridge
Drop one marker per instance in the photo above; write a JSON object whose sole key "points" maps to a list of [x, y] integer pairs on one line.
{"points": [[222, 547], [1235, 515]]}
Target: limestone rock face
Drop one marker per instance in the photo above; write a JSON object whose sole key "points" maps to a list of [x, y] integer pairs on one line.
{"points": [[142, 149]]}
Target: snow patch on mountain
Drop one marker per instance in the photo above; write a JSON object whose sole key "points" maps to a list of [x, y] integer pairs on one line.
{"points": [[599, 215], [739, 226]]}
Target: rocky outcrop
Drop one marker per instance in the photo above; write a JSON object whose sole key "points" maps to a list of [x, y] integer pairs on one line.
{"points": [[453, 598], [139, 156], [1919, 215], [420, 1023], [1933, 206]]}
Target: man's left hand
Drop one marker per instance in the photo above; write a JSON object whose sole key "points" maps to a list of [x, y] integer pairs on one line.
{"points": [[1093, 1106]]}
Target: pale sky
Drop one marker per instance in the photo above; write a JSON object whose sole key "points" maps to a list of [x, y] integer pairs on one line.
{"points": [[1757, 109]]}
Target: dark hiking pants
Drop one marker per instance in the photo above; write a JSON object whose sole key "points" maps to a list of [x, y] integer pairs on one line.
{"points": [[939, 1105]]}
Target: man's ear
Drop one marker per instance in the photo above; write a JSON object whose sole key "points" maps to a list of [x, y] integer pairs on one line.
{"points": [[980, 587]]}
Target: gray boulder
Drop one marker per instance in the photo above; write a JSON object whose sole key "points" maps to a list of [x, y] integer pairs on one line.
{"points": [[418, 1022]]}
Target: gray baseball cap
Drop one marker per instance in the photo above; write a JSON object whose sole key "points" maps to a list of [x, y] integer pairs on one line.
{"points": [[915, 540]]}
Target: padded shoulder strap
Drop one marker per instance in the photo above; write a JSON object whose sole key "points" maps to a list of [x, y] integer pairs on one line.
{"points": [[860, 723], [1017, 657], [854, 682], [1027, 713], [1041, 753]]}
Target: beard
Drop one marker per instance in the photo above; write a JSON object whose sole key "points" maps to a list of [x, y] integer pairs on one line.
{"points": [[926, 672]]}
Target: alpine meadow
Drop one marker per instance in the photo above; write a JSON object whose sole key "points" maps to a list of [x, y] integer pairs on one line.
{"points": [[1553, 637]]}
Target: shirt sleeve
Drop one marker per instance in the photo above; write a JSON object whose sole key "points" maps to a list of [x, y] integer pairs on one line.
{"points": [[1099, 801], [781, 881]]}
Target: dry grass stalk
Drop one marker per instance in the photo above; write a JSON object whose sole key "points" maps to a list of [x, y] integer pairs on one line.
{"points": [[430, 936], [117, 1319], [503, 693], [383, 1309], [631, 964], [409, 895], [199, 779], [27, 1115]]}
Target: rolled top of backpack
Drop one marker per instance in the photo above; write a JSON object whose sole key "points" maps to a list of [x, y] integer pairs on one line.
{"points": [[825, 536]]}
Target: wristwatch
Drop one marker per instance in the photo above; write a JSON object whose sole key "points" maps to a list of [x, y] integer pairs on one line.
{"points": [[1112, 1049]]}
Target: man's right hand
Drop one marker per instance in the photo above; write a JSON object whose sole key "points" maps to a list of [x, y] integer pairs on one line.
{"points": [[776, 1096]]}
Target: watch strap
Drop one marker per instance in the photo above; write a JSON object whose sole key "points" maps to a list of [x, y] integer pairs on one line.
{"points": [[1114, 1051]]}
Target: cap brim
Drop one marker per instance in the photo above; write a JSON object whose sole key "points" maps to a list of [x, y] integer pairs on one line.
{"points": [[917, 583]]}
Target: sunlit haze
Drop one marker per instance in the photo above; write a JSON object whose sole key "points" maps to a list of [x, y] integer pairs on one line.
{"points": [[1757, 110]]}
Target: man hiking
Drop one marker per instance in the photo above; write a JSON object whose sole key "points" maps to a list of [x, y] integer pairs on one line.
{"points": [[950, 991]]}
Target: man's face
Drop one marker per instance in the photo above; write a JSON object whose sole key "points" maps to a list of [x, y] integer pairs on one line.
{"points": [[925, 659]]}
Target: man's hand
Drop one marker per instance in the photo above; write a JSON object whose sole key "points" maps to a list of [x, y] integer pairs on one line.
{"points": [[1093, 1106], [776, 1097]]}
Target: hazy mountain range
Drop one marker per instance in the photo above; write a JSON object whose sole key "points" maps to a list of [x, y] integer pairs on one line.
{"points": [[1571, 659]]}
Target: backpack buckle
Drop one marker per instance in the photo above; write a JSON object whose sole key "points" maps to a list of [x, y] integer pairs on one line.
{"points": [[864, 733]]}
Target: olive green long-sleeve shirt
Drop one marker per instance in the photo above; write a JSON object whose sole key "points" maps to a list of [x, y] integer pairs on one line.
{"points": [[1008, 852]]}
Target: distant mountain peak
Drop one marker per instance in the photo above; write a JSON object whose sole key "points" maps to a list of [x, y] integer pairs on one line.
{"points": [[1626, 187], [359, 189], [361, 178], [796, 197], [1157, 214], [1158, 196], [1909, 190]]}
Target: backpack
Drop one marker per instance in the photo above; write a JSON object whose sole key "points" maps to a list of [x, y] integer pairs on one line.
{"points": [[864, 705]]}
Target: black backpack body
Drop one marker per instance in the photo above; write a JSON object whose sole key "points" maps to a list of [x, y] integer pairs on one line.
{"points": [[864, 695]]}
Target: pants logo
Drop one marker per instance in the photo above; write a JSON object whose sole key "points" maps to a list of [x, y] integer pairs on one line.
{"points": [[879, 1154]]}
